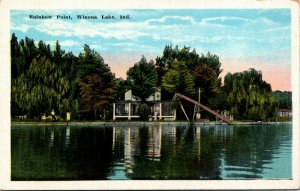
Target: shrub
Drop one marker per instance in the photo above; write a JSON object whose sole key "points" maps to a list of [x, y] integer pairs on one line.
{"points": [[144, 111]]}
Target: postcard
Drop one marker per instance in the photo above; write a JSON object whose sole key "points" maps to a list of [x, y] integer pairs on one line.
{"points": [[138, 95]]}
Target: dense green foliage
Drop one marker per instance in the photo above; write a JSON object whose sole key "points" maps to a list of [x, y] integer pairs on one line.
{"points": [[200, 72], [121, 87], [144, 111], [40, 88], [244, 94], [248, 96], [142, 79], [97, 83], [187, 72], [284, 99], [178, 79], [45, 79]]}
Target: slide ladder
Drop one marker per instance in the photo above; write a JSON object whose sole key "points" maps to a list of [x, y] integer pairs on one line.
{"points": [[222, 117]]}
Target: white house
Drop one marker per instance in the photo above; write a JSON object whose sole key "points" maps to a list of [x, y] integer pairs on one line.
{"points": [[285, 113], [160, 110]]}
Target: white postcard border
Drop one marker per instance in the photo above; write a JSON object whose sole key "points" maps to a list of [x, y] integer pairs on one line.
{"points": [[6, 6]]}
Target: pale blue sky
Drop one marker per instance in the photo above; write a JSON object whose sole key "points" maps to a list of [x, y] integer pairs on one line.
{"points": [[245, 35]]}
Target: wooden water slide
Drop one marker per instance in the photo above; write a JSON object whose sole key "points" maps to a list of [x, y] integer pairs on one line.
{"points": [[222, 117]]}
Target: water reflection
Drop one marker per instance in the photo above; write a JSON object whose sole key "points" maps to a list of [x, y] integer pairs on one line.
{"points": [[128, 151], [197, 142], [67, 138], [164, 151], [154, 143], [219, 130], [113, 138], [51, 137]]}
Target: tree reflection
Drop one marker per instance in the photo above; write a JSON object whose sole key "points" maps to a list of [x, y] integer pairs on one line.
{"points": [[41, 153], [168, 151]]}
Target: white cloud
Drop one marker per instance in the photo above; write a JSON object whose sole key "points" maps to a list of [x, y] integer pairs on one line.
{"points": [[162, 20], [207, 31], [64, 43], [118, 30], [23, 27], [95, 46], [225, 19], [254, 23], [84, 28], [131, 45], [278, 29], [219, 21], [69, 43], [266, 21], [232, 38]]}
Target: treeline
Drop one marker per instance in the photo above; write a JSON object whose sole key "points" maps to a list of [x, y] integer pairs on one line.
{"points": [[284, 99], [45, 79]]}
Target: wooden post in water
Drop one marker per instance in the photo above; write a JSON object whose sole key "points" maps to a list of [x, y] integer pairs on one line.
{"points": [[160, 111], [114, 111], [184, 112], [194, 114], [196, 107], [129, 111]]}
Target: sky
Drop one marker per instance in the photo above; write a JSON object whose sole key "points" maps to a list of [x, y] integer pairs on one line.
{"points": [[242, 38]]}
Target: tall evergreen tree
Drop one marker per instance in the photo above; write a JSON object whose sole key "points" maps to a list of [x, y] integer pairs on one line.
{"points": [[142, 79], [205, 71], [97, 82], [179, 79]]}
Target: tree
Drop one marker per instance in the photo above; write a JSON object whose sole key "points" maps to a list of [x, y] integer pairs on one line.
{"points": [[212, 61], [58, 53], [248, 96], [40, 89], [96, 91], [14, 50], [206, 80], [284, 99], [44, 50], [205, 71], [142, 78], [97, 82], [121, 87], [178, 79], [18, 62], [144, 111], [29, 50], [69, 66], [89, 62]]}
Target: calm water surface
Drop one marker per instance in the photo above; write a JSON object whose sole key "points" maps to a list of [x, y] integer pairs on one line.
{"points": [[162, 151]]}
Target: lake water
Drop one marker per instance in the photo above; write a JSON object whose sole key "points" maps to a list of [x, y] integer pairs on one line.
{"points": [[153, 151]]}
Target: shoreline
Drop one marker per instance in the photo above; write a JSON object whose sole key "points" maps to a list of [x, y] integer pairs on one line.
{"points": [[123, 123]]}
